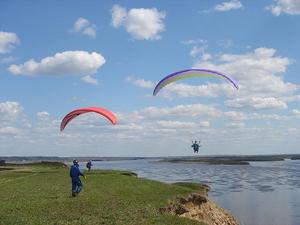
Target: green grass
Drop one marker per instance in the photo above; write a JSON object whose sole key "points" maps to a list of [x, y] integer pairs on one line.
{"points": [[40, 194]]}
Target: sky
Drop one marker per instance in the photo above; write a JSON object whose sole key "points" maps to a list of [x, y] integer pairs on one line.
{"points": [[57, 56]]}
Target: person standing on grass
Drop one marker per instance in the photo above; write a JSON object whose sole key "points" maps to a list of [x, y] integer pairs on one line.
{"points": [[75, 174], [89, 165]]}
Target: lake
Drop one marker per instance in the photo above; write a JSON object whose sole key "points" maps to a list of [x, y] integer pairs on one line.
{"points": [[262, 193]]}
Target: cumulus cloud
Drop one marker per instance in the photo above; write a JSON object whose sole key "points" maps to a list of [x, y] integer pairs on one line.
{"points": [[296, 112], [198, 49], [10, 110], [291, 7], [235, 125], [175, 124], [293, 98], [42, 115], [194, 42], [169, 113], [140, 82], [227, 6], [90, 80], [241, 116], [257, 72], [142, 24], [185, 90], [84, 26], [182, 110], [257, 103], [234, 115], [8, 41], [9, 131], [204, 90], [65, 63]]}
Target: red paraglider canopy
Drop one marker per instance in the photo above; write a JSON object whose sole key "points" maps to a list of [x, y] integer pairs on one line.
{"points": [[104, 112]]}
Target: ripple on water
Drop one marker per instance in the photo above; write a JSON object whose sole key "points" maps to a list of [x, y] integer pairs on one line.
{"points": [[264, 188]]}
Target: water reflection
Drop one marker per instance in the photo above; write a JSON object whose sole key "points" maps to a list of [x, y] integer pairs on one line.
{"points": [[262, 193]]}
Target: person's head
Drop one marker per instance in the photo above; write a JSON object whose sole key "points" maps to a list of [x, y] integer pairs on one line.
{"points": [[75, 162]]}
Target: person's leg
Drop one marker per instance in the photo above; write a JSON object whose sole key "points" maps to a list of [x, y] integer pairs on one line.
{"points": [[78, 186], [74, 187]]}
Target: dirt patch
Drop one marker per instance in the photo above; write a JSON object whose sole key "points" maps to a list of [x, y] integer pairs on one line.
{"points": [[198, 207]]}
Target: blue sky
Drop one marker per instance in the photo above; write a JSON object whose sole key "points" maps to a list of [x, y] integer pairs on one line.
{"points": [[57, 56]]}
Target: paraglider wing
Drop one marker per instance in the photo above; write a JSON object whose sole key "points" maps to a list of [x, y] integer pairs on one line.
{"points": [[191, 73], [104, 112]]}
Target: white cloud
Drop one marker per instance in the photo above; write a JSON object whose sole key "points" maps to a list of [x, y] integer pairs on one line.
{"points": [[293, 98], [257, 103], [90, 31], [119, 15], [42, 115], [296, 112], [84, 26], [182, 110], [80, 24], [9, 131], [291, 7], [90, 80], [142, 24], [8, 41], [194, 42], [235, 125], [241, 116], [186, 90], [206, 57], [196, 50], [259, 116], [230, 5], [64, 63], [10, 110], [234, 115], [200, 45], [175, 124], [140, 82], [256, 72], [204, 124]]}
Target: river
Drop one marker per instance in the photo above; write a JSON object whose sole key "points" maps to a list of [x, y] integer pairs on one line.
{"points": [[262, 193]]}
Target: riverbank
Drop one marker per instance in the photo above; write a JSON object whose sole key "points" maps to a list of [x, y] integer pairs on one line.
{"points": [[40, 194]]}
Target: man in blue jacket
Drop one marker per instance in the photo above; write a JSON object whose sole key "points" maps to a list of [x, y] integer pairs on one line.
{"points": [[75, 174]]}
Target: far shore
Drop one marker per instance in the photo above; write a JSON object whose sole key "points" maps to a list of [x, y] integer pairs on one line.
{"points": [[229, 160]]}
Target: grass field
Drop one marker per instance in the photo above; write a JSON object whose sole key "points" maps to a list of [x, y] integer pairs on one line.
{"points": [[41, 194]]}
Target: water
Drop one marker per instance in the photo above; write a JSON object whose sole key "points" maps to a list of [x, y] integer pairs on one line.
{"points": [[262, 193]]}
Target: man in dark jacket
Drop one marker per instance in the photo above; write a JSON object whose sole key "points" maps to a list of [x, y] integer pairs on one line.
{"points": [[75, 174], [196, 146], [89, 165]]}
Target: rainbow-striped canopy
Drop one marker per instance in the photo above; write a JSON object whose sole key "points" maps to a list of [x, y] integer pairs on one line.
{"points": [[191, 73]]}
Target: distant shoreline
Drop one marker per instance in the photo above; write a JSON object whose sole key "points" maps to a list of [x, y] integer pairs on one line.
{"points": [[227, 160], [213, 160]]}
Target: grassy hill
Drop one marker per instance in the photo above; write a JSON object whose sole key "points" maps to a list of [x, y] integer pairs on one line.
{"points": [[41, 194]]}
